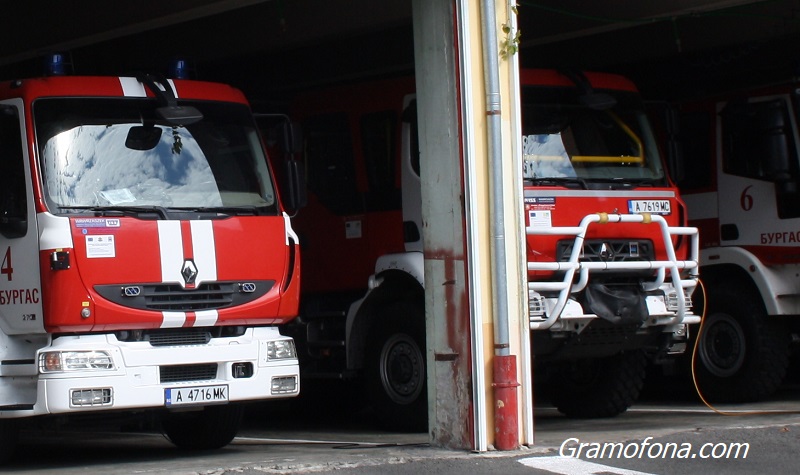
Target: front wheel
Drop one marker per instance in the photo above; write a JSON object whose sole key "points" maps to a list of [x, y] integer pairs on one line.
{"points": [[599, 387], [396, 367], [742, 354], [210, 428]]}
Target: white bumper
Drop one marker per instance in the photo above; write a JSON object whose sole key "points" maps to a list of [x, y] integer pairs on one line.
{"points": [[135, 381]]}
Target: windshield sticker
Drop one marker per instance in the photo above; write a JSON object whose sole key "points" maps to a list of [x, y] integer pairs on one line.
{"points": [[352, 229], [540, 219], [101, 245], [122, 195]]}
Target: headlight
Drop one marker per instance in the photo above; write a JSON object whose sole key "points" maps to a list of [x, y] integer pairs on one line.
{"points": [[281, 350], [58, 361]]}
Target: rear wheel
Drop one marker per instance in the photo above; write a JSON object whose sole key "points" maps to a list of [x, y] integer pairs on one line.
{"points": [[600, 387], [742, 354], [210, 428], [396, 367]]}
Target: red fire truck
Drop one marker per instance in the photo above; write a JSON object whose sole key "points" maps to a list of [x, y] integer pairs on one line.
{"points": [[611, 262], [736, 160], [146, 258]]}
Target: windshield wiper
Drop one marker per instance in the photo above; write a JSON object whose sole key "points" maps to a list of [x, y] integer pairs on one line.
{"points": [[627, 182], [105, 210], [559, 180], [235, 210]]}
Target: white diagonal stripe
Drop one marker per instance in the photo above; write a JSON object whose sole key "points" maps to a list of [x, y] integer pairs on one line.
{"points": [[574, 466]]}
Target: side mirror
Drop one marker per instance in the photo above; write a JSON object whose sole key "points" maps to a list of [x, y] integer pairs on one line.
{"points": [[13, 227], [295, 184]]}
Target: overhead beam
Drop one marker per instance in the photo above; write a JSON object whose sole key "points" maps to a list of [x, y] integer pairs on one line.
{"points": [[114, 32], [691, 7]]}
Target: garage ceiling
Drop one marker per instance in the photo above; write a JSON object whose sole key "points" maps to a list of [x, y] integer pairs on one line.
{"points": [[671, 48]]}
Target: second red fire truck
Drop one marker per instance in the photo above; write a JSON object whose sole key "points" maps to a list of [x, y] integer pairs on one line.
{"points": [[611, 263]]}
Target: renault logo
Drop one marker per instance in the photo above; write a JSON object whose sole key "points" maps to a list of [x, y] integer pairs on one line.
{"points": [[189, 271]]}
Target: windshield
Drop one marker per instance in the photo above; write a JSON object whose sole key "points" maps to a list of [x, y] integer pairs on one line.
{"points": [[564, 139], [98, 153]]}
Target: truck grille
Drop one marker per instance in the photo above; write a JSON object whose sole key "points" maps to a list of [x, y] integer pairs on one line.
{"points": [[187, 373], [189, 336], [173, 297], [608, 250]]}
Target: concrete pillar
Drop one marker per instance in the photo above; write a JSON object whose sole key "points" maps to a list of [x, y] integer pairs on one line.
{"points": [[455, 202]]}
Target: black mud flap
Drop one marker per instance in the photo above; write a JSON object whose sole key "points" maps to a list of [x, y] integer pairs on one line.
{"points": [[618, 305]]}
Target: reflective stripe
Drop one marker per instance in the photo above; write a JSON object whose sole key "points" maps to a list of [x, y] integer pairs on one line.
{"points": [[170, 245], [173, 319], [204, 251], [133, 88], [205, 318]]}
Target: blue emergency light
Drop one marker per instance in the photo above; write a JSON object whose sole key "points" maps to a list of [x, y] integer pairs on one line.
{"points": [[57, 64], [180, 69]]}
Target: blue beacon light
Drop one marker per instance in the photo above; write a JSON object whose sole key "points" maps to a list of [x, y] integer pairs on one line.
{"points": [[56, 65], [179, 69]]}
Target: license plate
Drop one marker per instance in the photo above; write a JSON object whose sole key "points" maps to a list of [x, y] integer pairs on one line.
{"points": [[649, 206], [196, 395]]}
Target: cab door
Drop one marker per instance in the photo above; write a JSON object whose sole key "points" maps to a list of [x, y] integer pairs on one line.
{"points": [[759, 171], [20, 285]]}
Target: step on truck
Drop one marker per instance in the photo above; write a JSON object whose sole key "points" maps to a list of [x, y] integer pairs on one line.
{"points": [[146, 260], [611, 264], [736, 159]]}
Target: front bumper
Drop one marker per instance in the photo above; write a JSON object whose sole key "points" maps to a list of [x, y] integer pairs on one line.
{"points": [[222, 370]]}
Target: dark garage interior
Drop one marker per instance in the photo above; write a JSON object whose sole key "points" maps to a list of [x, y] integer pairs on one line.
{"points": [[270, 48]]}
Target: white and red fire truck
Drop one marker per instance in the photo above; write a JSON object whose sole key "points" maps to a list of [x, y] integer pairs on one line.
{"points": [[146, 258], [736, 159], [611, 262]]}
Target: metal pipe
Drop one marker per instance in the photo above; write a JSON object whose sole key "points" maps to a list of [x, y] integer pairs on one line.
{"points": [[495, 149], [504, 375]]}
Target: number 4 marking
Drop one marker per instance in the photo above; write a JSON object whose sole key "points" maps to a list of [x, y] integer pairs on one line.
{"points": [[6, 268]]}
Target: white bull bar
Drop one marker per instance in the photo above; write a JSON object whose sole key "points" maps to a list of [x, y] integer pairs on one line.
{"points": [[566, 286]]}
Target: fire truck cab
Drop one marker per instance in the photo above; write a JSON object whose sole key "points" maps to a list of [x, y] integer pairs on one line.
{"points": [[611, 263], [145, 258], [736, 159]]}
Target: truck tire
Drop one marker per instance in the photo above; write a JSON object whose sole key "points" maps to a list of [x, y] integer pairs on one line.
{"points": [[9, 437], [396, 372], [742, 354], [213, 427], [600, 387]]}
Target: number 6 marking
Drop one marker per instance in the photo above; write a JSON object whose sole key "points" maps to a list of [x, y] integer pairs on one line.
{"points": [[746, 200]]}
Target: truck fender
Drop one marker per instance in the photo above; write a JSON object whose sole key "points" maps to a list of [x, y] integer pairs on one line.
{"points": [[771, 282], [397, 277]]}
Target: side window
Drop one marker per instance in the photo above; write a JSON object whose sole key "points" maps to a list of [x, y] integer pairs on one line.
{"points": [[694, 136], [410, 116], [13, 204], [379, 145], [757, 140], [330, 163]]}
